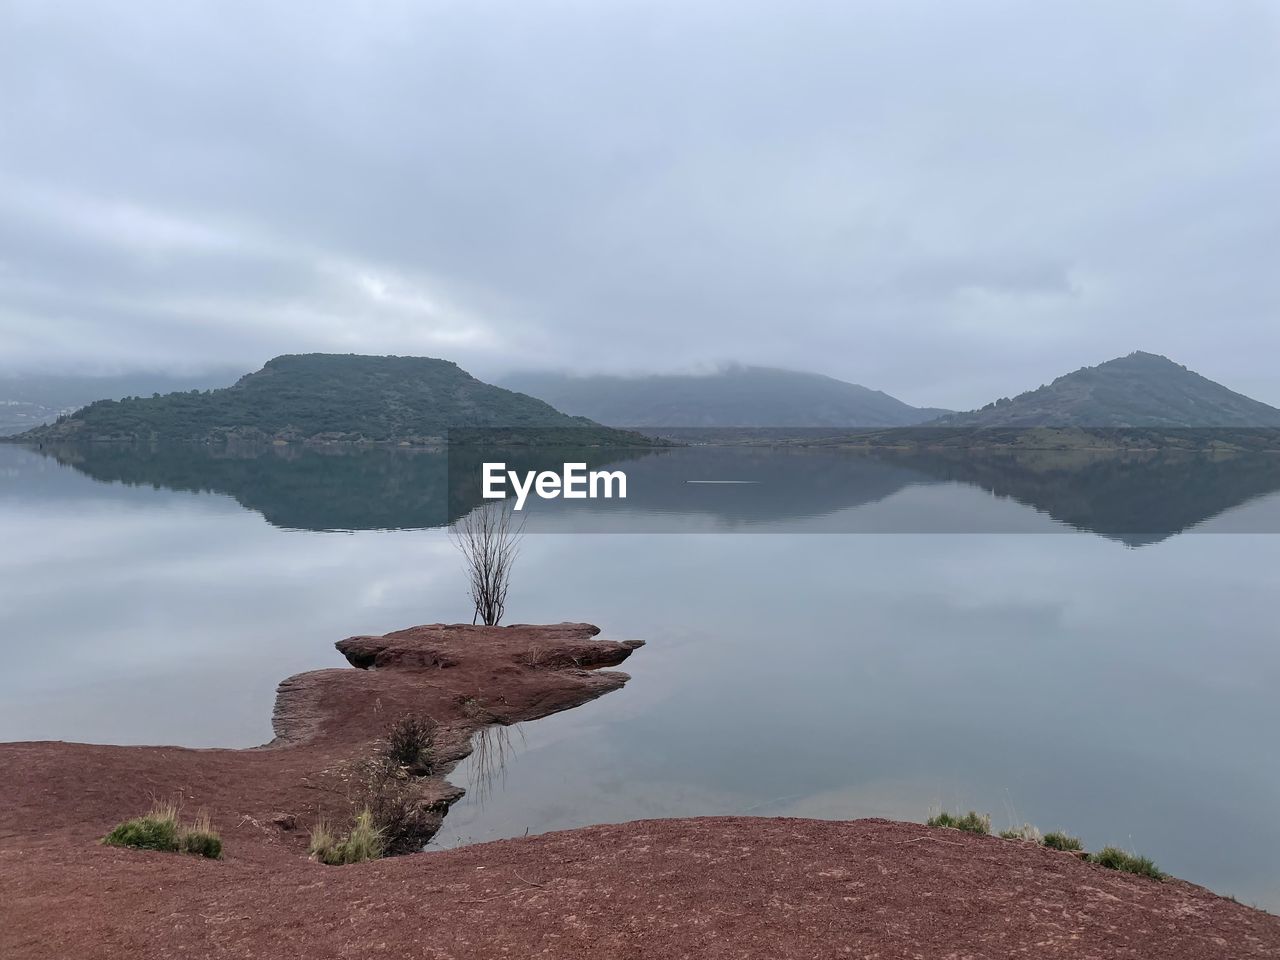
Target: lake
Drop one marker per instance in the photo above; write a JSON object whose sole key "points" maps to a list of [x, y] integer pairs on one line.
{"points": [[1088, 645]]}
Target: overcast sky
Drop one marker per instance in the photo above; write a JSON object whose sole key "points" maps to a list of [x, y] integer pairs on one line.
{"points": [[950, 201]]}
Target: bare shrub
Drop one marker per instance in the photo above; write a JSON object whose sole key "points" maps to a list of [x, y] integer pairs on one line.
{"points": [[411, 743], [489, 538], [405, 822]]}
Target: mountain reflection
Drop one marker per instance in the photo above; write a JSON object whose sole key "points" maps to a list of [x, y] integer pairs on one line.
{"points": [[1134, 497]]}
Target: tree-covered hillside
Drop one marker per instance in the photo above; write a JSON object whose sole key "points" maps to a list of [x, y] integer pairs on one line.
{"points": [[333, 397], [1139, 390]]}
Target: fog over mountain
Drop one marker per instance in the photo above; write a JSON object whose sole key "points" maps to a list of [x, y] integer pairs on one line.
{"points": [[29, 400], [736, 396], [945, 201]]}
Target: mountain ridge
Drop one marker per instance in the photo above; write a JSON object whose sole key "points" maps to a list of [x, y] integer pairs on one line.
{"points": [[735, 396], [321, 397], [355, 398], [1137, 390]]}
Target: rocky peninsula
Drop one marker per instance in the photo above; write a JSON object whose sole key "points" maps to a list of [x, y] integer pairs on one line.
{"points": [[707, 887]]}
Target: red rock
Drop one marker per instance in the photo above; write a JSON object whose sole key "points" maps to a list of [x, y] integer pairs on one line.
{"points": [[707, 888]]}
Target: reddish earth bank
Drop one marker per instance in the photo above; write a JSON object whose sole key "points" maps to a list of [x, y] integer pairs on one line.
{"points": [[711, 887]]}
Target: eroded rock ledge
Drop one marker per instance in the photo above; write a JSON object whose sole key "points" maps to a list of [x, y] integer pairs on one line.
{"points": [[463, 677], [502, 674], [441, 645]]}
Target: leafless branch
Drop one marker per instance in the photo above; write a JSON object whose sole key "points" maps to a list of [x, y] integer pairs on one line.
{"points": [[489, 538]]}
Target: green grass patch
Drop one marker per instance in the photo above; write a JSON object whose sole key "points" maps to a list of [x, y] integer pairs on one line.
{"points": [[1057, 840], [1113, 858], [145, 833], [159, 829], [971, 822], [364, 842], [1026, 832], [202, 839], [323, 845], [202, 844]]}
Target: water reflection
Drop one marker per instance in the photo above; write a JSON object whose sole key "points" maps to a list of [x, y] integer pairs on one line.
{"points": [[486, 768], [1135, 497]]}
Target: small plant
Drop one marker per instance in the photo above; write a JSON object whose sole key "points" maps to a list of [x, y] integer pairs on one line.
{"points": [[159, 829], [364, 842], [404, 820], [1113, 858], [1057, 840], [156, 830], [411, 743], [202, 839], [1025, 832], [323, 843], [971, 822]]}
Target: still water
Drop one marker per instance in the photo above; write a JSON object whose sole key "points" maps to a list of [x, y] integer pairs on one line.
{"points": [[1045, 664]]}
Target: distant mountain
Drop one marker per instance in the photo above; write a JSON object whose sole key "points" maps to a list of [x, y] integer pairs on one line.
{"points": [[321, 397], [738, 396], [30, 400], [1140, 390]]}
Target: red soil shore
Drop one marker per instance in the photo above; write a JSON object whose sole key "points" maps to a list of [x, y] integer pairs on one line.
{"points": [[711, 887]]}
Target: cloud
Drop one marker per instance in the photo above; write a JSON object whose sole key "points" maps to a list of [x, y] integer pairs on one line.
{"points": [[949, 202]]}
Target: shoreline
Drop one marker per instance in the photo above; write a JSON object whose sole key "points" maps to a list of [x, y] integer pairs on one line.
{"points": [[463, 677], [714, 886]]}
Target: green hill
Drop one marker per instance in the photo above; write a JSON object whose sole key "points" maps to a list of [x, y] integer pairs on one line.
{"points": [[735, 397], [1140, 390], [320, 397]]}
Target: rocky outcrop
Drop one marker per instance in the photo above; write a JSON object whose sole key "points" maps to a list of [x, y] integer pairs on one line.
{"points": [[731, 887], [326, 722], [440, 646]]}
